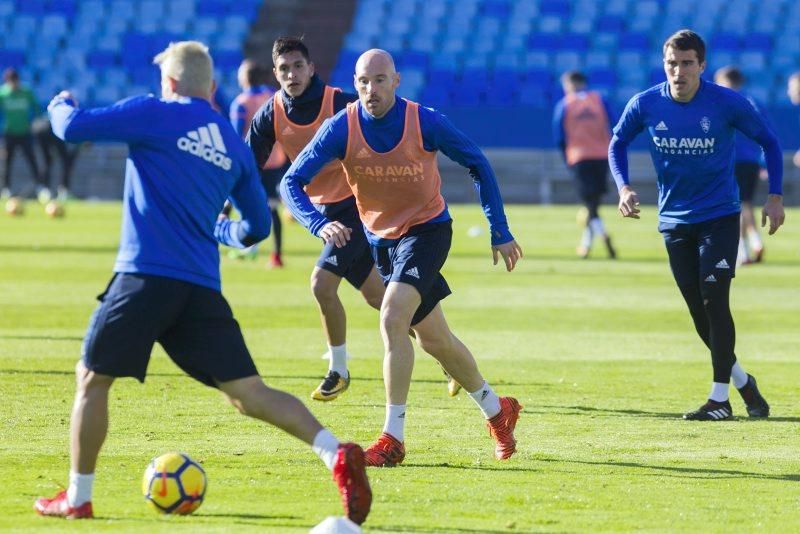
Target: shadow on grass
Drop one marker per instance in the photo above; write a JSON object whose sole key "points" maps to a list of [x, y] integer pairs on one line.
{"points": [[608, 411], [445, 465], [683, 472], [46, 338]]}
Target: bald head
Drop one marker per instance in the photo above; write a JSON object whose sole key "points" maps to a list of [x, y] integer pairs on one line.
{"points": [[793, 88], [375, 59], [376, 81]]}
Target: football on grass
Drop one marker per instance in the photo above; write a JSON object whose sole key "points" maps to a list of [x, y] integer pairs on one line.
{"points": [[174, 484]]}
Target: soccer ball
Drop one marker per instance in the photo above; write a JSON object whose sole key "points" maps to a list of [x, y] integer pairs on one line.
{"points": [[173, 483], [15, 206], [54, 210]]}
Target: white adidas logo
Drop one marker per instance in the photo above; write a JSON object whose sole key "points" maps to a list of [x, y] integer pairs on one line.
{"points": [[661, 126], [287, 131], [723, 264], [710, 278], [362, 154], [413, 272], [206, 142], [332, 260]]}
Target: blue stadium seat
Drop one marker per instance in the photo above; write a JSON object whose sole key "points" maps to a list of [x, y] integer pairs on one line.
{"points": [[212, 8], [12, 58], [602, 77], [634, 41], [544, 41], [760, 42], [558, 8], [575, 42], [36, 8], [434, 96], [101, 59], [724, 41], [611, 23], [67, 8]]}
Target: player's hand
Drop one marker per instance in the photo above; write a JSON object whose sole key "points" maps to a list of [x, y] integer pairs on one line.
{"points": [[511, 253], [773, 209], [335, 232], [628, 202], [60, 97]]}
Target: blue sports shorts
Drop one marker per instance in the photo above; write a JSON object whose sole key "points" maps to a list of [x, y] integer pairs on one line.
{"points": [[194, 325], [353, 262], [416, 259], [704, 251]]}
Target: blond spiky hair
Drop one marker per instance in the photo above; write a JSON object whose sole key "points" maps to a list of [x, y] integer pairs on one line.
{"points": [[188, 63]]}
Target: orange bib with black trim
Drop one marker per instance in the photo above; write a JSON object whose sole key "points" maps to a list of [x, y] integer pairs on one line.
{"points": [[330, 185]]}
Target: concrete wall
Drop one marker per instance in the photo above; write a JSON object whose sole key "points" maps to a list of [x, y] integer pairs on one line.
{"points": [[525, 176]]}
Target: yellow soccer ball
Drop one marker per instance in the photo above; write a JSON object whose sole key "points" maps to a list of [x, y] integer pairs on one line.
{"points": [[54, 210], [173, 483]]}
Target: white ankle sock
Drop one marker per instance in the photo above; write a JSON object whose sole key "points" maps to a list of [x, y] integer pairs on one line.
{"points": [[719, 392], [325, 446], [738, 375], [586, 238], [487, 400], [80, 488], [338, 361], [395, 423], [597, 226]]}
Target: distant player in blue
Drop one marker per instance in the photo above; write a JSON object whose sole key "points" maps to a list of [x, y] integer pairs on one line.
{"points": [[747, 170], [793, 90], [692, 124], [185, 160]]}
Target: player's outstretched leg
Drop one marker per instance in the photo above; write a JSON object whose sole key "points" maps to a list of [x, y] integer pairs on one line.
{"points": [[346, 461], [88, 429], [325, 288], [501, 413]]}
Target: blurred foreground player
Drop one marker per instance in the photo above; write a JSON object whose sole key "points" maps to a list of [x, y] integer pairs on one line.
{"points": [[166, 285], [691, 125]]}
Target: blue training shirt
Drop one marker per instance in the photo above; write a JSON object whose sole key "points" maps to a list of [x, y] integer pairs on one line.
{"points": [[382, 135], [185, 159], [692, 148], [747, 150]]}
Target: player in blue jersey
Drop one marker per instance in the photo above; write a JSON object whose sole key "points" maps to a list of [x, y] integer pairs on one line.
{"points": [[388, 147], [185, 159], [692, 124], [747, 171]]}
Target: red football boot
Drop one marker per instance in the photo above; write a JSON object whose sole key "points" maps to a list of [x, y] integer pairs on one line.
{"points": [[58, 507], [350, 475], [501, 428], [387, 451]]}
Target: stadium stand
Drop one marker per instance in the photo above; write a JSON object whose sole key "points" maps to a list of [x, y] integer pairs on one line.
{"points": [[459, 55], [101, 49]]}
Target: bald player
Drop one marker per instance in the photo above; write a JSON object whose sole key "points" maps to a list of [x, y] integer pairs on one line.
{"points": [[388, 148]]}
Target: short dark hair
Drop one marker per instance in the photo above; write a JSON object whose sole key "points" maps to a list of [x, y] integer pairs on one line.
{"points": [[10, 75], [732, 74], [687, 40], [284, 45], [256, 73], [574, 77]]}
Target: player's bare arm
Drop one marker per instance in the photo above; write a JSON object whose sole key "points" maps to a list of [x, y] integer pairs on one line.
{"points": [[773, 210], [336, 232], [511, 253], [628, 202]]}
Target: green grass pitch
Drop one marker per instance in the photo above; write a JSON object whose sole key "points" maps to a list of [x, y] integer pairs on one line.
{"points": [[602, 355]]}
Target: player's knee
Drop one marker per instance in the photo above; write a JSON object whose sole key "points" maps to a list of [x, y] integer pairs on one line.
{"points": [[436, 345], [324, 292], [395, 319], [374, 299]]}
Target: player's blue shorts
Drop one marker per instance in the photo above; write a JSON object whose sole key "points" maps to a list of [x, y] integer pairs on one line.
{"points": [[416, 259], [704, 251], [353, 262], [193, 323]]}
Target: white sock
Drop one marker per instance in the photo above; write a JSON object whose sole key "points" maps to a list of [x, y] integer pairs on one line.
{"points": [[719, 392], [597, 227], [738, 375], [741, 255], [338, 361], [395, 423], [487, 400], [80, 488], [586, 238], [326, 446], [754, 238]]}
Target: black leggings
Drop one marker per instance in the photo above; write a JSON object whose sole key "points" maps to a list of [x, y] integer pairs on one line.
{"points": [[709, 305], [25, 142], [50, 146]]}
